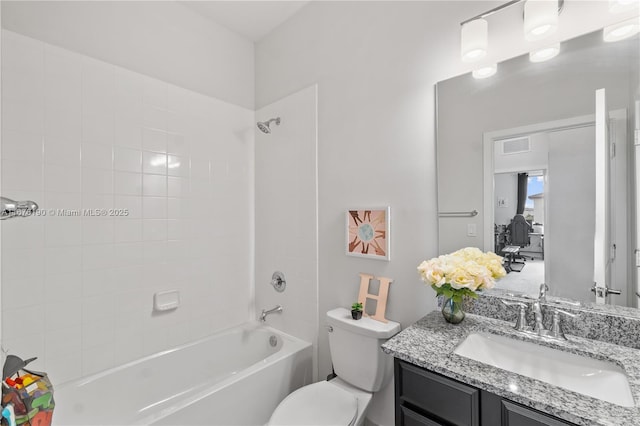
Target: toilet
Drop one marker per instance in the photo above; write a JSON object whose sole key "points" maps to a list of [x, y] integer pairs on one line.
{"points": [[361, 368]]}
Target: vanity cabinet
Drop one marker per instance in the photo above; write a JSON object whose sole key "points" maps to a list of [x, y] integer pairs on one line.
{"points": [[425, 398]]}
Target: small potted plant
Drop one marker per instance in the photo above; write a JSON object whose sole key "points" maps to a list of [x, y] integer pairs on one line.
{"points": [[356, 310]]}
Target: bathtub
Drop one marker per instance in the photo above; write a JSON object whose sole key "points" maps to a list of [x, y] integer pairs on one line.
{"points": [[235, 377]]}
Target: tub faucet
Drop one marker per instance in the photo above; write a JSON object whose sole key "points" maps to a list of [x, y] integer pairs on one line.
{"points": [[263, 315]]}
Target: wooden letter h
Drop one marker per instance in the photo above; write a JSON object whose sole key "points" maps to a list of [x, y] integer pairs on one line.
{"points": [[381, 297]]}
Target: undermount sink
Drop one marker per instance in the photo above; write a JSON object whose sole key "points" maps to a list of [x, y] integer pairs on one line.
{"points": [[587, 376]]}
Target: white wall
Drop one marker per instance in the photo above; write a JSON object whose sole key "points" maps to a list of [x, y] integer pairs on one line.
{"points": [[375, 69], [286, 177], [505, 188], [161, 39], [79, 133]]}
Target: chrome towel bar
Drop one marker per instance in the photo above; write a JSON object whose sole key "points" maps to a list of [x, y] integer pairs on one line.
{"points": [[472, 213]]}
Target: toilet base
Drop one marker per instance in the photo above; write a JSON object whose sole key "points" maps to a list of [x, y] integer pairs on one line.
{"points": [[363, 397], [326, 403]]}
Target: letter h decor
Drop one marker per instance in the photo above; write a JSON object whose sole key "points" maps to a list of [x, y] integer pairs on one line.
{"points": [[381, 297]]}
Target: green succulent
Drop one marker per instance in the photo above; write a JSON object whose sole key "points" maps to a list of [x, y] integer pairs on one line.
{"points": [[357, 306]]}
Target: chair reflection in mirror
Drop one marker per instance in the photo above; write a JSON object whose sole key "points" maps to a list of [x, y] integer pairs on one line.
{"points": [[517, 238], [500, 235]]}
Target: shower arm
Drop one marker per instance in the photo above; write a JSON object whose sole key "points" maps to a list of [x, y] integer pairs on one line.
{"points": [[10, 208]]}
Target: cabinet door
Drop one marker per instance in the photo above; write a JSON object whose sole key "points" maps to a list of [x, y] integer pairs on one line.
{"points": [[449, 401], [517, 415], [411, 418]]}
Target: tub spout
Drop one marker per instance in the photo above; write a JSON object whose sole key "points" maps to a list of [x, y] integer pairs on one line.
{"points": [[263, 315]]}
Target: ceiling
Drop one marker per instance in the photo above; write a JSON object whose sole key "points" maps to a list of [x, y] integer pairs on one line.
{"points": [[251, 19]]}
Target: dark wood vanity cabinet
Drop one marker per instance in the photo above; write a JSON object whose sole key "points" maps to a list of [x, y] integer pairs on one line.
{"points": [[424, 398]]}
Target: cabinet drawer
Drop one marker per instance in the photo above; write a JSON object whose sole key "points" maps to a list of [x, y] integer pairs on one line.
{"points": [[409, 417], [516, 414], [446, 399]]}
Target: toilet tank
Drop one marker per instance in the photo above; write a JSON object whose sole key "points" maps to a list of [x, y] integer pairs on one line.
{"points": [[355, 349]]}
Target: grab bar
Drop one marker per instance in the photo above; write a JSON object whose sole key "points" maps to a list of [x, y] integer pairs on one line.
{"points": [[472, 213], [10, 208]]}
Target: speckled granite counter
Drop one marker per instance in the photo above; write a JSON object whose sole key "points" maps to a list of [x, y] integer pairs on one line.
{"points": [[430, 343], [608, 323]]}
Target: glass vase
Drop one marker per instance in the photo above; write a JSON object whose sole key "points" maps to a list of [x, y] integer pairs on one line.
{"points": [[452, 311]]}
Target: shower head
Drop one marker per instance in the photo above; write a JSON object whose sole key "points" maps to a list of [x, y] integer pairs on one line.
{"points": [[264, 125]]}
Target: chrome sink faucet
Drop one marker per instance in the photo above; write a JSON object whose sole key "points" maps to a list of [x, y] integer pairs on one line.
{"points": [[538, 327], [521, 321], [542, 296], [263, 315], [556, 327]]}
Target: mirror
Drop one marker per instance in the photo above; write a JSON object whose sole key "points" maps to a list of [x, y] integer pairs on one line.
{"points": [[537, 120]]}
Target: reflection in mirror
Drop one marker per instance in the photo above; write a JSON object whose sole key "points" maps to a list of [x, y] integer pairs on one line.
{"points": [[568, 214], [519, 198], [534, 123]]}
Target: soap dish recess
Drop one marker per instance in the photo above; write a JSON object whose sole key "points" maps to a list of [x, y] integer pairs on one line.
{"points": [[166, 300]]}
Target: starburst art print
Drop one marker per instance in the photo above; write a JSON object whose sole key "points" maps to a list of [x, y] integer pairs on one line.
{"points": [[368, 233]]}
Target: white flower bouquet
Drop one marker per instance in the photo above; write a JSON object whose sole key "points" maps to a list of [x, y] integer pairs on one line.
{"points": [[462, 273]]}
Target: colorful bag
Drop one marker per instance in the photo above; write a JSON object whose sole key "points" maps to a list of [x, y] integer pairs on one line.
{"points": [[30, 393]]}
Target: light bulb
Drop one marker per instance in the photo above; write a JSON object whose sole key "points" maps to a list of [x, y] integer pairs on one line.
{"points": [[545, 53], [474, 40], [617, 6], [485, 72], [538, 31], [621, 30], [540, 18]]}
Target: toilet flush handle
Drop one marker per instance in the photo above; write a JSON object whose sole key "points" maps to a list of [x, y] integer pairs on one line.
{"points": [[330, 329]]}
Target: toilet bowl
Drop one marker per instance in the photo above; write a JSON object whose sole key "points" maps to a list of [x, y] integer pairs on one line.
{"points": [[327, 403], [362, 370]]}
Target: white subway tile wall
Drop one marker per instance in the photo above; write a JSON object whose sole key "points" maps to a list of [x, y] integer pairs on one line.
{"points": [[77, 286]]}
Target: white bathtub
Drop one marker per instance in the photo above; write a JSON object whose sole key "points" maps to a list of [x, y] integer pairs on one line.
{"points": [[234, 377]]}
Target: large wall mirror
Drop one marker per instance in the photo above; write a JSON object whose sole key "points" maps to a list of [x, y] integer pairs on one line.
{"points": [[520, 149]]}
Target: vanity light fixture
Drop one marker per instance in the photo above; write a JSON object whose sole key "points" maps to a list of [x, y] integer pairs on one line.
{"points": [[485, 72], [545, 53], [540, 19], [617, 6], [621, 30], [474, 40]]}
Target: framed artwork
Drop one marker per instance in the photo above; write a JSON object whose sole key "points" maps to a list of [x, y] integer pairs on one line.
{"points": [[368, 233]]}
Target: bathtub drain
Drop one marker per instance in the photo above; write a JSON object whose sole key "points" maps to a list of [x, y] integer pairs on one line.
{"points": [[273, 340]]}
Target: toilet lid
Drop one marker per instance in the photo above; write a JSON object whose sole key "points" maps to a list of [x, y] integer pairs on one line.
{"points": [[318, 404]]}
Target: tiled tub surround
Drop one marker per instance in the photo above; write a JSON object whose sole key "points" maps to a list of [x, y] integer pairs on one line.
{"points": [[77, 291], [430, 343], [607, 323]]}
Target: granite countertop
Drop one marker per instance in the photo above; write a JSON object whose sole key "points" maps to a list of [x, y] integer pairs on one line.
{"points": [[430, 343]]}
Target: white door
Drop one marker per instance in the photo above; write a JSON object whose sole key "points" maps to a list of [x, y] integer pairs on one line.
{"points": [[602, 238], [570, 219]]}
